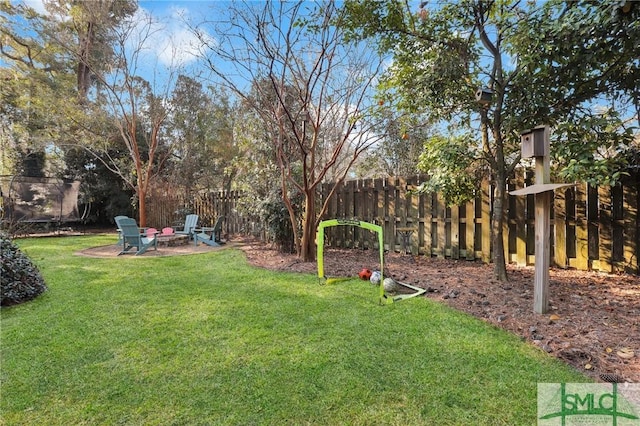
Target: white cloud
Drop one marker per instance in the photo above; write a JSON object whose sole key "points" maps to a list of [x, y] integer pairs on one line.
{"points": [[37, 5], [178, 48], [174, 44]]}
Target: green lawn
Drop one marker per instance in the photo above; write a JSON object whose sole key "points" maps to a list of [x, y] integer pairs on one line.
{"points": [[207, 339]]}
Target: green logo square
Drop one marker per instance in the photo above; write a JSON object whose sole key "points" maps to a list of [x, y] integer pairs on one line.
{"points": [[569, 404]]}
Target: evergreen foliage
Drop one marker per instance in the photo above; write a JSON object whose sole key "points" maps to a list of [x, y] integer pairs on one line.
{"points": [[20, 279]]}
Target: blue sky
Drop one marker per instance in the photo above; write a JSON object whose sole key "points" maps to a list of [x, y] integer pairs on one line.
{"points": [[172, 37]]}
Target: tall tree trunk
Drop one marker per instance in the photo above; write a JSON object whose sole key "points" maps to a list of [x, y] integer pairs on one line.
{"points": [[84, 70], [142, 208], [497, 222], [307, 245], [142, 198]]}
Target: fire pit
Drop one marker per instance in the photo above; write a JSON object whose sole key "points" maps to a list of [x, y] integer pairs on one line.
{"points": [[172, 240]]}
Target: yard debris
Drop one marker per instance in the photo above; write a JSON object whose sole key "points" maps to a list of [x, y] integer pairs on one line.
{"points": [[625, 353]]}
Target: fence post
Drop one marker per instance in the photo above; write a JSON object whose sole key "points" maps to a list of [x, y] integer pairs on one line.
{"points": [[379, 200]]}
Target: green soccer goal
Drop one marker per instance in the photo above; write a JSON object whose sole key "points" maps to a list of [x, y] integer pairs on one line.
{"points": [[372, 227]]}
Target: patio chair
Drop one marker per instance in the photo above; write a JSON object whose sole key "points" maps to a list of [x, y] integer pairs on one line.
{"points": [[215, 238], [168, 231], [190, 223], [117, 220], [132, 238]]}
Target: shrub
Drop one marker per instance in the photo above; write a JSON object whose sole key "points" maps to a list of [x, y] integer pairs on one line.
{"points": [[20, 279], [275, 215]]}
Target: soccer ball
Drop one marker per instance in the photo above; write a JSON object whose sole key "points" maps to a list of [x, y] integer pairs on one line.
{"points": [[375, 277], [365, 274], [390, 285]]}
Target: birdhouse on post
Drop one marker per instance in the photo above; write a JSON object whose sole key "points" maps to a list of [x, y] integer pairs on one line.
{"points": [[535, 142], [484, 96]]}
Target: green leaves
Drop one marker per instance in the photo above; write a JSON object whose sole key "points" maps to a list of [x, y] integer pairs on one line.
{"points": [[591, 149], [548, 63], [452, 168]]}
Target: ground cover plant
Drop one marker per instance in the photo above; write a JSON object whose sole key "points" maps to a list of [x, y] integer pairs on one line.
{"points": [[209, 339], [20, 280]]}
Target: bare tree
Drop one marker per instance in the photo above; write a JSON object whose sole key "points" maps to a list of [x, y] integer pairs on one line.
{"points": [[310, 89], [137, 109]]}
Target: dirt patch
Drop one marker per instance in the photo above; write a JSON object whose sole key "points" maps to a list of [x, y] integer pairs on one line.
{"points": [[593, 324]]}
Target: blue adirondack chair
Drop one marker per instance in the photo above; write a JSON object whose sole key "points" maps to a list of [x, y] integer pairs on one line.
{"points": [[117, 220], [210, 235], [190, 223], [132, 238]]}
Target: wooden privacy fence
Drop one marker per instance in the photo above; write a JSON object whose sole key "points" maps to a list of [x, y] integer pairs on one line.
{"points": [[171, 210], [592, 228]]}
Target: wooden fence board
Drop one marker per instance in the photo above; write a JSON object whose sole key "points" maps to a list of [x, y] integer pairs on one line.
{"points": [[470, 227], [631, 204], [485, 223], [455, 232], [427, 233], [605, 244], [519, 205], [560, 228], [441, 237], [465, 231], [582, 236]]}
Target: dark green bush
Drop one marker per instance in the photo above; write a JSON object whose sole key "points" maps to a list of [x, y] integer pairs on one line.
{"points": [[274, 213], [20, 279]]}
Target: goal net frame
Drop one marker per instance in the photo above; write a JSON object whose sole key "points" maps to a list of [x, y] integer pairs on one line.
{"points": [[383, 299], [349, 222]]}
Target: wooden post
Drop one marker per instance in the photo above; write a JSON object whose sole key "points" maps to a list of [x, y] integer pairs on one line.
{"points": [[542, 227], [535, 143]]}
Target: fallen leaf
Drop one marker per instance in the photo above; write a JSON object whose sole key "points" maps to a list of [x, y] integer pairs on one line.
{"points": [[608, 350], [626, 353], [554, 317]]}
